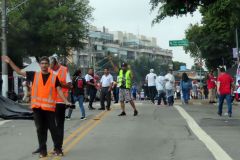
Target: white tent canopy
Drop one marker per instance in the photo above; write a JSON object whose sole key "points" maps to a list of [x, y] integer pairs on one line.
{"points": [[34, 66]]}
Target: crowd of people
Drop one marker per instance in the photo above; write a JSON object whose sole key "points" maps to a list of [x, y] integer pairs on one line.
{"points": [[164, 88], [53, 90]]}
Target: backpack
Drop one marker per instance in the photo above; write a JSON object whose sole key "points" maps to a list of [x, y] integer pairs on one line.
{"points": [[79, 83]]}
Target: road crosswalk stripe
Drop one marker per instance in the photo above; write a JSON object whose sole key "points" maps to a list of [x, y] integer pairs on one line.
{"points": [[210, 143]]}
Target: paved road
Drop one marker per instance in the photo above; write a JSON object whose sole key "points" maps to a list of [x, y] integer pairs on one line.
{"points": [[191, 132]]}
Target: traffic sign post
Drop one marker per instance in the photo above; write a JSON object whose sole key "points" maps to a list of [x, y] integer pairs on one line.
{"points": [[175, 43]]}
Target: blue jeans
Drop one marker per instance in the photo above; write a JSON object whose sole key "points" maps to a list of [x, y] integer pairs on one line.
{"points": [[221, 100], [186, 95], [169, 95], [80, 101]]}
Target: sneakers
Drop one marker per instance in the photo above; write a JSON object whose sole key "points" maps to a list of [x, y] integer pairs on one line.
{"points": [[91, 108], [101, 109], [42, 154], [220, 114], [36, 151], [229, 115], [135, 113], [83, 118], [58, 152], [68, 118], [122, 114]]}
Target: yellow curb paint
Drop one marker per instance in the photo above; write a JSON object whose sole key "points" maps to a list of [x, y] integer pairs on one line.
{"points": [[74, 134], [81, 136]]}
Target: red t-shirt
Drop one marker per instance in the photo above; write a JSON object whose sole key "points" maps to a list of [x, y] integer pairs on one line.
{"points": [[225, 83], [211, 82]]}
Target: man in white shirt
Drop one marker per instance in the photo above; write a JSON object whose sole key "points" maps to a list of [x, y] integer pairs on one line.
{"points": [[91, 87], [106, 83], [170, 82], [160, 85], [150, 79]]}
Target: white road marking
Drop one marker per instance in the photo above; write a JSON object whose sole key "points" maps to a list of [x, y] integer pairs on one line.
{"points": [[2, 122], [212, 145]]}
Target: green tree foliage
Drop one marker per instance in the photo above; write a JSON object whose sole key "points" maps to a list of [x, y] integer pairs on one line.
{"points": [[176, 65], [43, 27], [196, 67], [142, 66], [215, 37], [176, 7]]}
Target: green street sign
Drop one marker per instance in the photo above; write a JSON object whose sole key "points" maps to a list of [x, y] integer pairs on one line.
{"points": [[174, 43]]}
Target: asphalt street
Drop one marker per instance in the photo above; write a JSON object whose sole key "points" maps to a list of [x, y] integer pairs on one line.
{"points": [[193, 132]]}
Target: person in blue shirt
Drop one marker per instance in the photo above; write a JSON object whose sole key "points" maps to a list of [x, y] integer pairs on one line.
{"points": [[186, 86], [134, 91]]}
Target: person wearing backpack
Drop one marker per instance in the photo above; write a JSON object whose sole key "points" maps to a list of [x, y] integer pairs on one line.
{"points": [[78, 93], [186, 86]]}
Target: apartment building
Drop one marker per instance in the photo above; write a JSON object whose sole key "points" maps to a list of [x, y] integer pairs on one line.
{"points": [[129, 46]]}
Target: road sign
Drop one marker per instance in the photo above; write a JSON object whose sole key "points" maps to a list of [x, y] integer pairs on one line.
{"points": [[174, 43]]}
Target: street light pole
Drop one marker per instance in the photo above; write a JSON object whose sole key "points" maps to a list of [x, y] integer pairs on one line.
{"points": [[200, 61], [4, 50], [237, 45]]}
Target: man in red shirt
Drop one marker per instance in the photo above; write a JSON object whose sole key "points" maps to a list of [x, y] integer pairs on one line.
{"points": [[224, 90], [211, 84]]}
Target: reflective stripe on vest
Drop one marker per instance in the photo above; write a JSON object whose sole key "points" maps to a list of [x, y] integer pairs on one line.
{"points": [[62, 76], [45, 100], [127, 77]]}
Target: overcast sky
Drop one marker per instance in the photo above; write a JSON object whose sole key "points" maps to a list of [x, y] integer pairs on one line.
{"points": [[134, 16]]}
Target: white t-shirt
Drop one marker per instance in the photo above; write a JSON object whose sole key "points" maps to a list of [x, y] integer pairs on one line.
{"points": [[142, 94], [88, 77], [106, 81], [160, 83], [151, 78], [170, 81]]}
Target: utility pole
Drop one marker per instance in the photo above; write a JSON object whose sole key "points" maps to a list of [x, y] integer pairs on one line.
{"points": [[237, 45], [4, 49]]}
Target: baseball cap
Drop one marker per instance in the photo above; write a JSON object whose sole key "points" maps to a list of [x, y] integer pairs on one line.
{"points": [[124, 64]]}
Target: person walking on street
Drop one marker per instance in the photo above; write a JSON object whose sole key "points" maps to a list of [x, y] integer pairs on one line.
{"points": [[224, 89], [45, 88], [170, 82], [195, 90], [66, 84], [211, 84], [91, 87], [150, 79], [125, 82], [186, 86], [106, 83], [78, 93], [134, 91], [115, 89], [160, 84]]}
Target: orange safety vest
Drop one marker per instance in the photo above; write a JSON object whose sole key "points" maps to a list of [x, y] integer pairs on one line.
{"points": [[62, 75], [44, 96]]}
